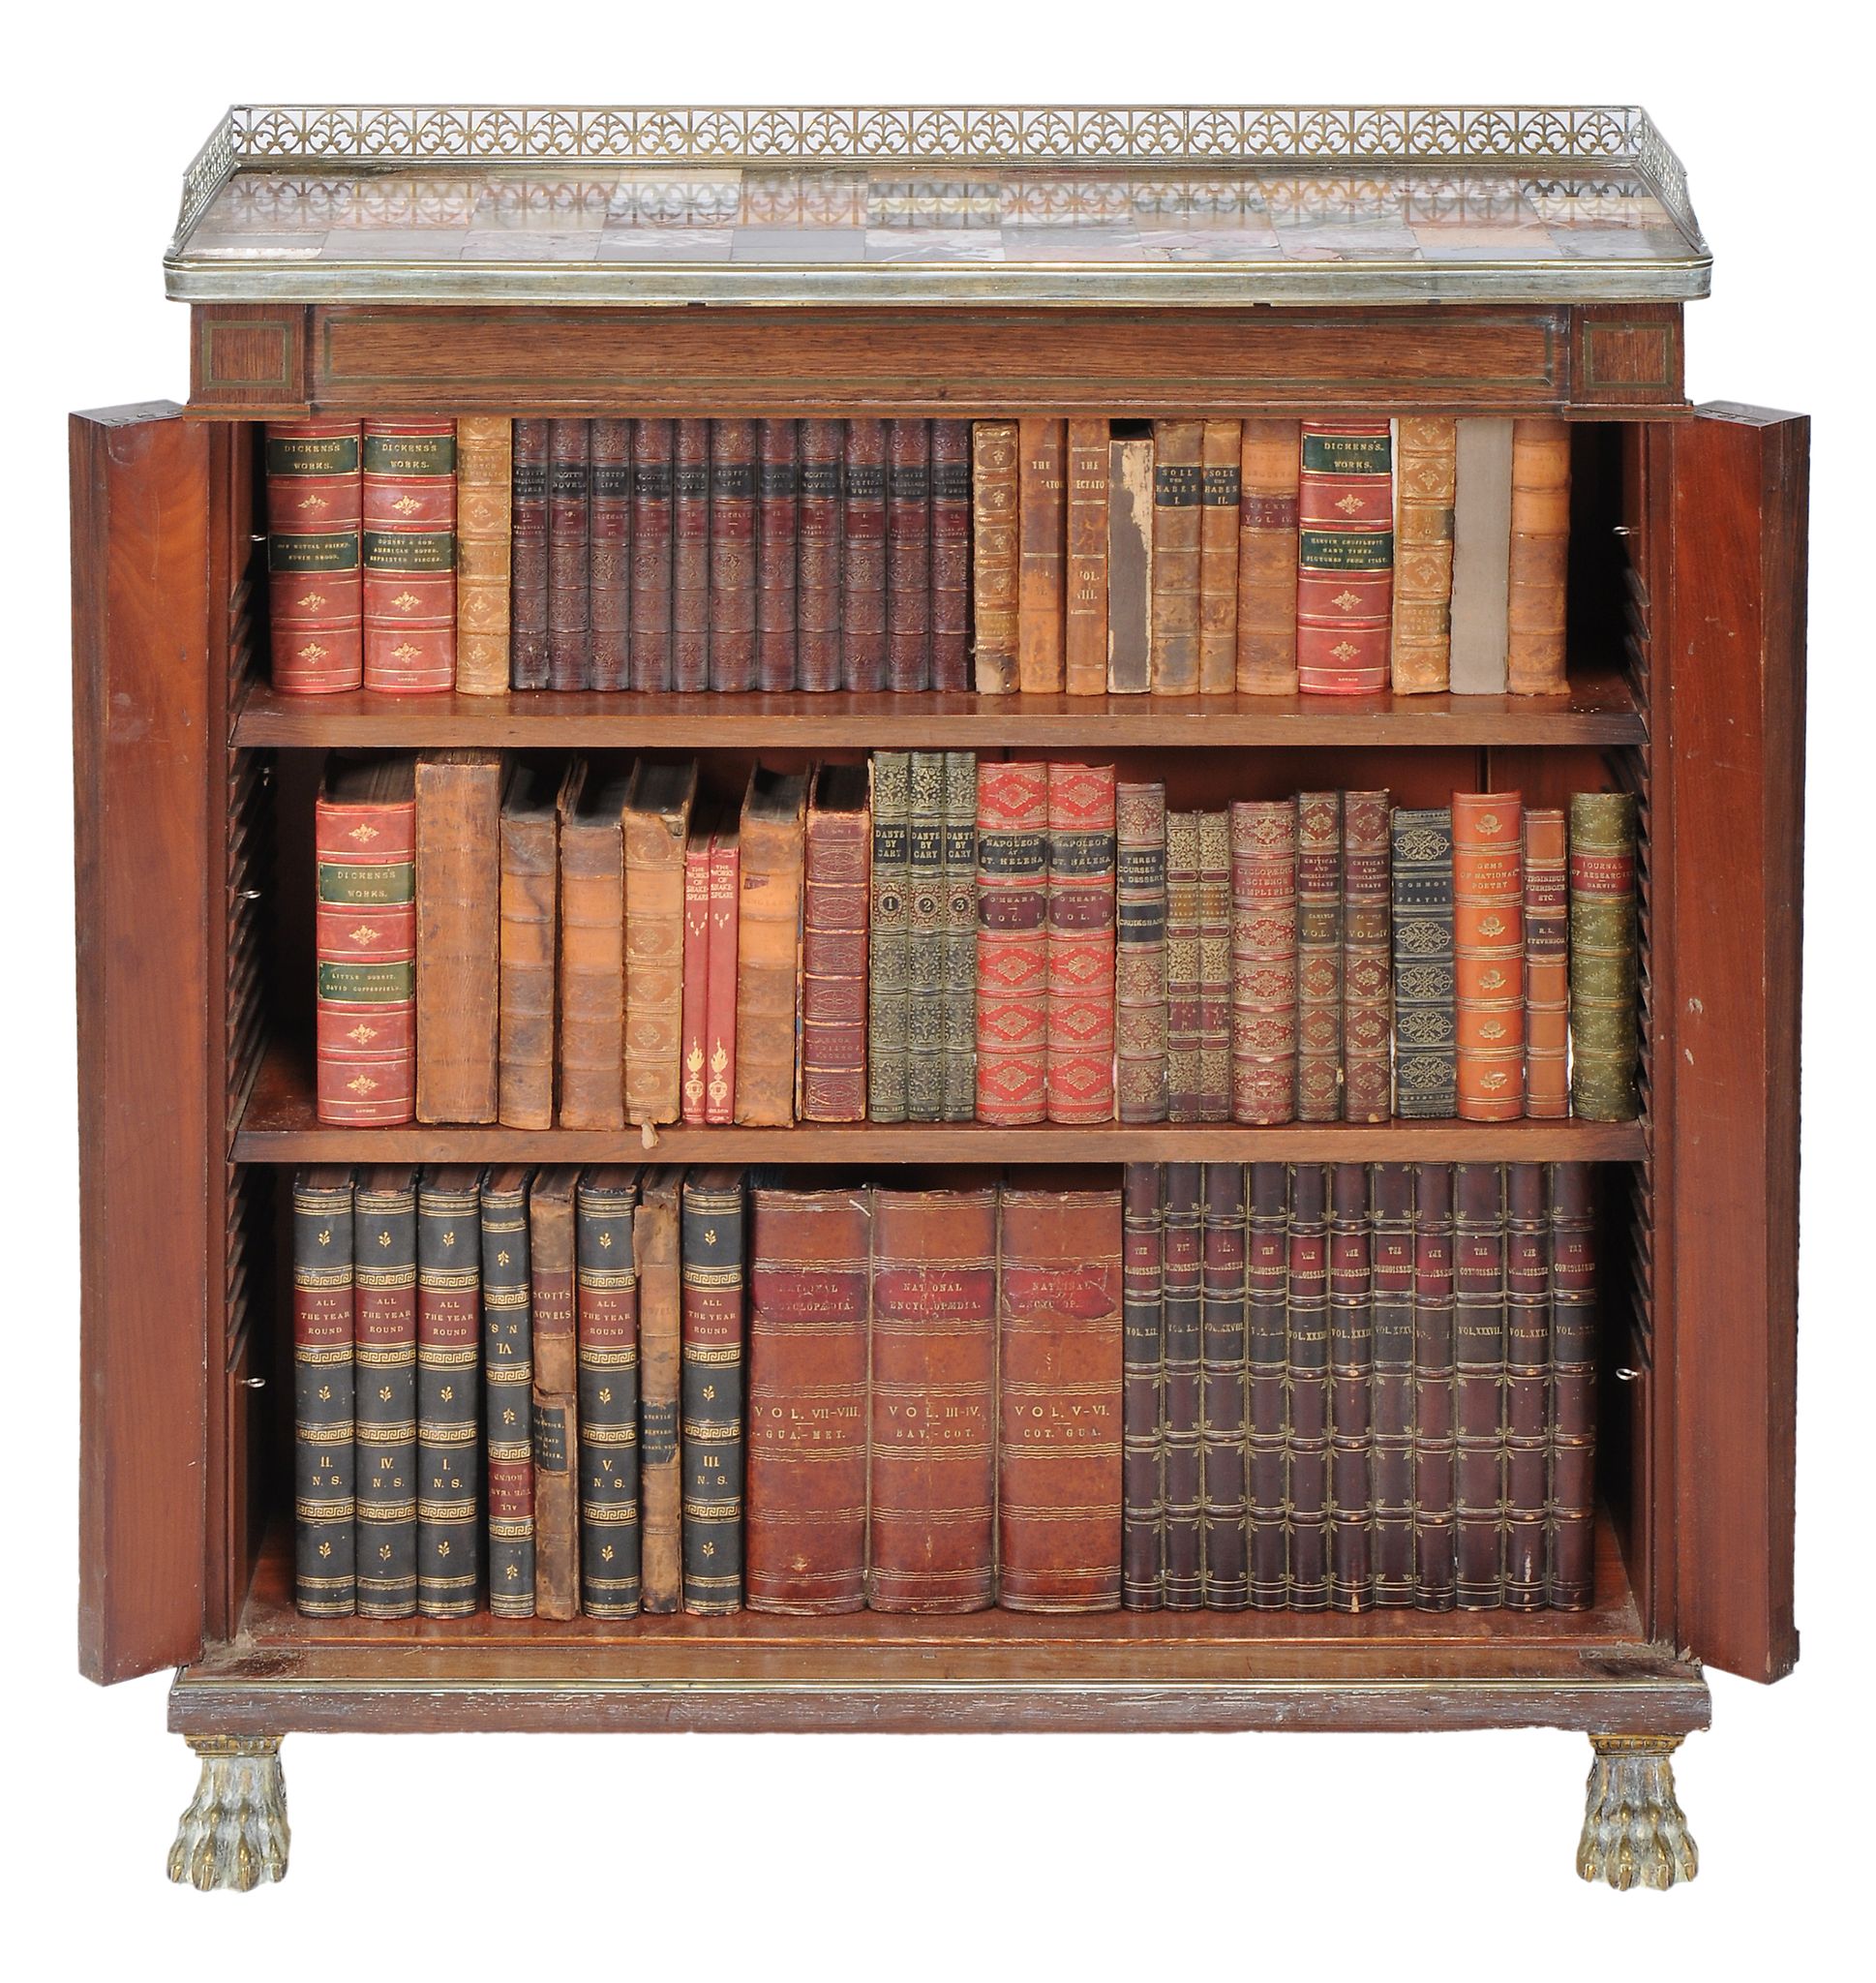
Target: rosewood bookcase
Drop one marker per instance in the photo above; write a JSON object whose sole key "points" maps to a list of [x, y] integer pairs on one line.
{"points": [[962, 261]]}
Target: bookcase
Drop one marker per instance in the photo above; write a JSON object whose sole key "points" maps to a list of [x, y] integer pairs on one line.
{"points": [[934, 261]]}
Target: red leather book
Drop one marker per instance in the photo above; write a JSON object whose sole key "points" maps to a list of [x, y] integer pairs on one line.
{"points": [[1547, 964], [610, 554], [528, 558], [908, 554], [1489, 952], [1318, 957], [409, 555], [365, 937], [817, 610], [1214, 967], [1059, 1362], [1267, 1277], [1352, 1372], [314, 503], [1224, 1432], [778, 499], [1479, 1383], [1309, 1387], [733, 556], [1182, 1285], [1344, 578], [1012, 941], [1079, 1030], [1391, 1427], [804, 1528], [1527, 1384], [720, 997], [690, 556], [650, 610], [696, 970], [1263, 961], [833, 947], [1571, 1570], [931, 1536], [1367, 960], [1435, 1564], [569, 554], [1182, 966], [1142, 1541], [951, 554], [862, 554]]}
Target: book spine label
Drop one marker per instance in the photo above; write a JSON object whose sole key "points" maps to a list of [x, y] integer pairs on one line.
{"points": [[1012, 941], [778, 494], [924, 938], [1181, 1283], [1263, 961], [1489, 952], [1140, 952], [834, 967], [733, 556], [409, 555], [1538, 578], [1182, 966], [1269, 466], [862, 572], [695, 1047], [1130, 566], [528, 558], [1214, 967], [325, 1482], [1178, 484], [818, 557], [1527, 1384], [1604, 968], [553, 1401], [365, 937], [959, 975], [660, 1314], [1143, 1586], [314, 505], [654, 958], [484, 483], [1570, 1567], [1367, 977], [1042, 541], [1085, 617], [1425, 482], [719, 996], [1547, 964], [887, 936], [385, 1224], [1434, 1562], [652, 576], [951, 554], [1480, 1345], [768, 968], [994, 514], [690, 556], [1078, 1077], [1345, 557], [606, 1292], [592, 973], [1308, 1352], [1351, 1376], [508, 1385], [459, 935], [449, 1348], [1318, 957], [569, 568], [1391, 1401], [1426, 1053], [1223, 1430], [711, 1384], [610, 554], [1219, 494], [908, 555], [1267, 1385]]}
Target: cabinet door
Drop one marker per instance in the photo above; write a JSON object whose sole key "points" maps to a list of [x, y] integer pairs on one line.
{"points": [[1727, 831], [140, 641]]}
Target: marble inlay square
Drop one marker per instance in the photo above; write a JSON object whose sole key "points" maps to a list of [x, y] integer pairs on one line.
{"points": [[665, 244], [932, 244], [530, 244], [394, 244], [798, 244]]}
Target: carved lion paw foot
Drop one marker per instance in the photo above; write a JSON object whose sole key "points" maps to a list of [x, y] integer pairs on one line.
{"points": [[1634, 1833], [235, 1832]]}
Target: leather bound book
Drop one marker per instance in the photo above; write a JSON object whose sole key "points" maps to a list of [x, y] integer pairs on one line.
{"points": [[733, 556], [1423, 554], [592, 948], [1571, 1573], [1084, 665], [1481, 556], [569, 552], [458, 933], [690, 556], [652, 577], [1143, 1580], [833, 947], [1435, 1564], [817, 529], [1318, 957], [1178, 473], [931, 1533], [314, 497], [1489, 952], [1267, 1385], [409, 555], [719, 998], [508, 1388], [887, 936], [385, 1226], [908, 555], [449, 1354], [484, 533], [1214, 967], [1604, 963], [555, 1400], [365, 937], [1547, 962], [1351, 1377], [324, 1581], [1182, 1480], [1011, 939], [1426, 1052], [924, 938], [1527, 1384], [994, 555], [1479, 1383], [862, 558], [1079, 1075], [606, 1333], [951, 554], [694, 1013], [768, 944], [959, 974], [1367, 980], [778, 549], [711, 1414], [1182, 966], [1130, 566], [1391, 1261], [1223, 1429], [1217, 556], [1059, 1365], [1140, 952], [657, 824], [528, 558], [1041, 585], [1537, 578], [656, 1251], [609, 555], [1269, 471], [1308, 1347], [1263, 959], [804, 1537], [1345, 557], [529, 942]]}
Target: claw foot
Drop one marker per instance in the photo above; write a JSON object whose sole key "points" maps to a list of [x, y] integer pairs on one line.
{"points": [[1634, 1833], [235, 1832]]}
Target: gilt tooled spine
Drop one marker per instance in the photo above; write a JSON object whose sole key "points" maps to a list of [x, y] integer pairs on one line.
{"points": [[1345, 557], [1605, 1033], [1078, 1069], [606, 1326], [1351, 1375], [1215, 967], [711, 1417], [553, 1401], [1547, 962], [1367, 980], [528, 558], [1537, 580], [1527, 1384], [1182, 966], [1425, 479], [314, 505], [994, 525], [1570, 1567], [690, 556], [1140, 952], [1012, 941], [449, 1349], [324, 1478], [769, 946], [484, 537], [1267, 1385], [863, 550], [908, 555], [1306, 1440], [778, 549], [652, 575], [365, 939], [951, 554], [733, 556], [1183, 1284], [1217, 556], [656, 826], [1435, 1563], [1178, 476], [720, 997], [507, 1387], [656, 1251], [1489, 954], [1143, 1391], [1223, 1429], [1426, 1052], [570, 571], [1318, 957], [1041, 561], [1391, 1260], [887, 962], [1268, 470], [924, 938], [1263, 961], [409, 555], [610, 554], [385, 1224], [1085, 607], [959, 975], [817, 527], [694, 1029], [1479, 1383], [833, 949], [459, 935]]}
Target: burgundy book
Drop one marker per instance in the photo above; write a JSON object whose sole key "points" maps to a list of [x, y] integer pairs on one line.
{"points": [[650, 587], [733, 556], [1079, 1039], [1182, 1277], [951, 554], [1309, 1387], [1527, 1384], [908, 554], [1351, 1373], [817, 529], [1571, 1570], [528, 558], [409, 549], [778, 500], [570, 571], [1142, 1582], [690, 558], [314, 497], [1478, 1383], [1011, 940], [1433, 1560], [1266, 1281], [1224, 1432], [833, 947], [1391, 1263], [610, 554], [863, 550]]}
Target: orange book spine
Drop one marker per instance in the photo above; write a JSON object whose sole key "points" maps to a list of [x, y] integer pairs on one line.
{"points": [[1540, 557], [1217, 556], [1041, 619], [1425, 483], [1488, 947], [994, 554], [1085, 664], [696, 977], [1269, 463], [1547, 964], [1178, 448]]}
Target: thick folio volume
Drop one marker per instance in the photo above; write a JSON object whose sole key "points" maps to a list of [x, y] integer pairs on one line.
{"points": [[656, 825], [606, 1355], [1351, 1355], [1263, 961], [529, 946], [1570, 1567], [592, 949], [325, 1580], [459, 928], [994, 512], [769, 938], [834, 948], [1266, 1385], [555, 1399], [1011, 940], [507, 1390], [1604, 966], [1489, 950], [449, 1348], [409, 555], [1345, 559], [711, 1390], [1391, 1228], [315, 504], [384, 1222], [484, 534], [1436, 1562]]}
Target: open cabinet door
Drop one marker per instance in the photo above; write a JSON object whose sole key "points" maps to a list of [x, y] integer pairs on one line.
{"points": [[140, 672], [1728, 752]]}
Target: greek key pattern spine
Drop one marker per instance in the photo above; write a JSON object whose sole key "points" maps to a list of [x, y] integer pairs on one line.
{"points": [[960, 973], [507, 1386], [324, 1498], [384, 1225], [1426, 1054], [711, 1404], [1367, 982], [1224, 1431], [449, 1317], [606, 1331], [1263, 961], [888, 964], [1143, 1391], [1140, 952]]}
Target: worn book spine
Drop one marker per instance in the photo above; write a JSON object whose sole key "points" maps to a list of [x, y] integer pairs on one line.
{"points": [[694, 1022], [1425, 475], [817, 527], [1215, 967], [931, 1533], [908, 555], [1604, 963], [1570, 1570], [1426, 1052], [1489, 954], [863, 548], [1142, 1585], [1390, 1541], [994, 517], [1269, 471], [609, 568], [833, 949], [733, 556], [1481, 556], [1182, 966], [1525, 1460], [314, 602], [529, 948], [507, 1386], [959, 975], [1140, 952], [1547, 962], [449, 1350], [384, 1225], [606, 1300], [805, 1537], [555, 1400], [1479, 1383], [1318, 957], [1178, 473], [1042, 624], [1011, 940], [1435, 1563], [656, 1254], [658, 825], [1367, 976], [924, 938], [365, 937], [887, 960], [1130, 566], [1084, 650], [778, 496], [570, 550], [1182, 1290], [1263, 959], [528, 558], [951, 554], [652, 577], [720, 997], [1351, 1376], [1308, 1364], [1345, 557], [710, 1416], [769, 947], [1059, 1365], [409, 555], [1267, 1385], [592, 968], [484, 536], [1220, 488], [324, 1480], [459, 935], [1079, 1070], [1538, 573], [690, 556], [1223, 1430]]}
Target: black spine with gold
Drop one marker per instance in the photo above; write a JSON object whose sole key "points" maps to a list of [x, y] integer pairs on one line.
{"points": [[606, 1296], [711, 1389], [507, 1386], [325, 1585], [449, 1555], [385, 1226]]}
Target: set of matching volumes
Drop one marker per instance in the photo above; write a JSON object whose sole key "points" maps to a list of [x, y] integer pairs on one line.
{"points": [[1359, 1386]]}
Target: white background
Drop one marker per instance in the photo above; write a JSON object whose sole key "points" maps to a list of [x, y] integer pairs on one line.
{"points": [[1025, 1856]]}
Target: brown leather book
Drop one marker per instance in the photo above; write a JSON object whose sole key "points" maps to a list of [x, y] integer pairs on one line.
{"points": [[1217, 558], [1141, 952], [1547, 962], [690, 556], [1425, 475], [1269, 467], [1435, 1571], [593, 947], [531, 872], [528, 558], [804, 1531], [1263, 961], [777, 542], [951, 554], [651, 442], [768, 944], [1224, 1431], [1318, 957], [817, 531], [694, 1031], [1130, 566], [554, 1403], [908, 555], [1367, 960], [1182, 1290], [834, 948], [608, 554], [657, 822], [1182, 966], [1478, 1381], [569, 605], [1351, 1376], [994, 554], [1042, 587], [934, 1341], [1178, 476], [1213, 967], [1267, 1385], [1308, 1443], [862, 553], [1060, 1360], [458, 933], [1489, 952], [1143, 1389], [719, 996], [657, 1258], [1540, 558], [1527, 1384], [1571, 1568], [1391, 1458], [733, 555], [1085, 623], [484, 478]]}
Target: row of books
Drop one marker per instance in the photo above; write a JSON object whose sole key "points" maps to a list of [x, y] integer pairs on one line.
{"points": [[1084, 557], [932, 939], [630, 1390]]}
